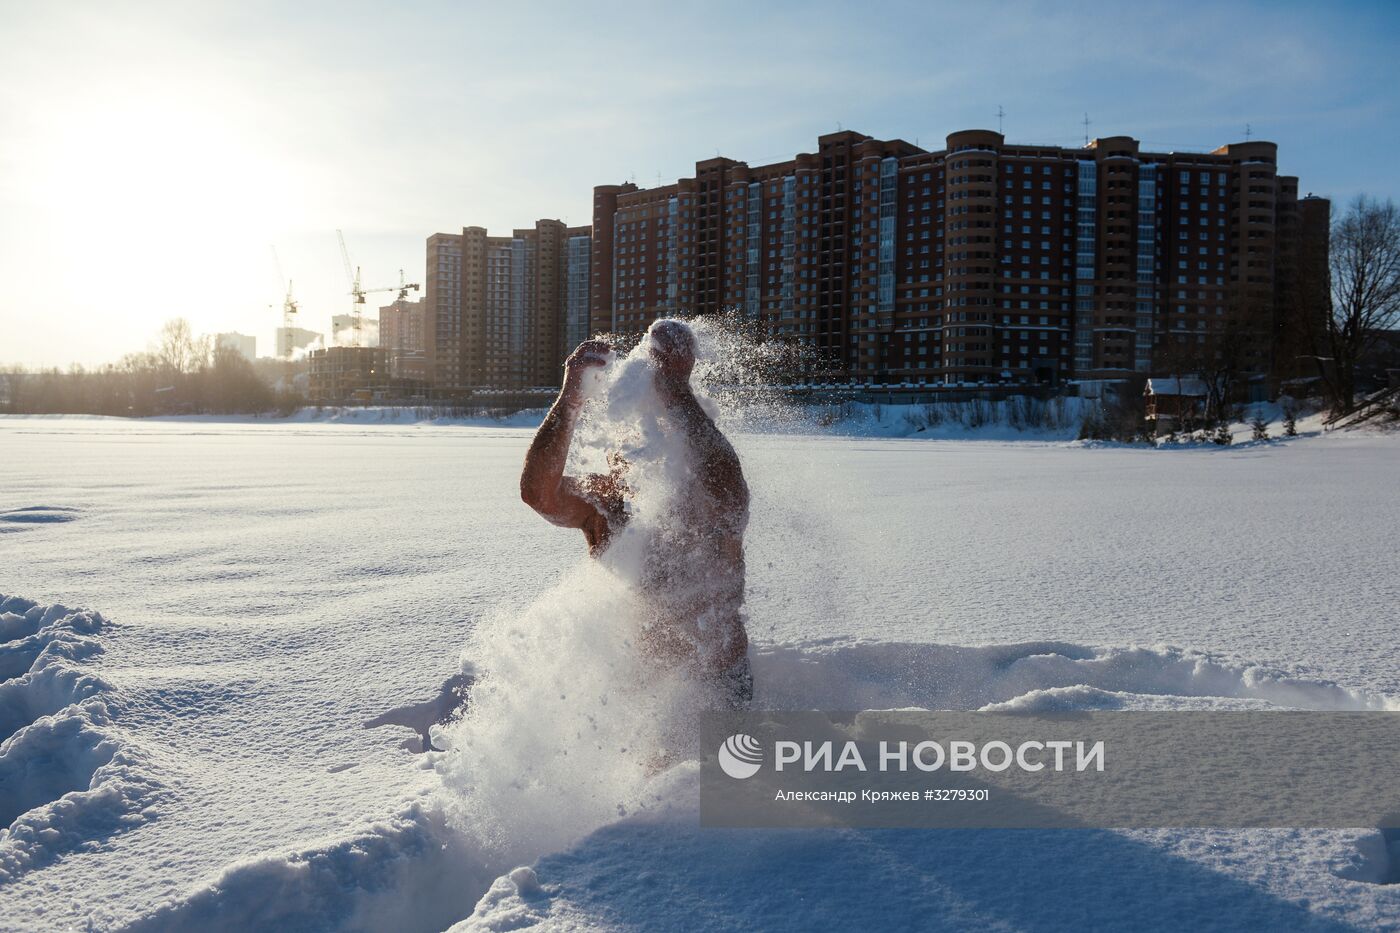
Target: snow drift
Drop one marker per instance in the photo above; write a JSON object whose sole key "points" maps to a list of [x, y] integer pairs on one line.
{"points": [[658, 869], [1037, 676], [68, 777], [618, 847]]}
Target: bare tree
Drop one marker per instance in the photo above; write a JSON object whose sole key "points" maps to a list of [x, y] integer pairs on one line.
{"points": [[180, 351], [184, 374], [1365, 273], [1227, 364], [1224, 358]]}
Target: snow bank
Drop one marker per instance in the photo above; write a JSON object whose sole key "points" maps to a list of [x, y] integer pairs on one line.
{"points": [[761, 410], [672, 875], [1031, 676], [1020, 418], [538, 776], [383, 414], [407, 873], [752, 410], [659, 870], [656, 869], [68, 777], [387, 415]]}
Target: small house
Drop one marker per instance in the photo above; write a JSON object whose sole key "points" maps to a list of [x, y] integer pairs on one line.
{"points": [[1174, 399]]}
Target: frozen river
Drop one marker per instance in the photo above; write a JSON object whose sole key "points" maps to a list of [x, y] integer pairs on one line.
{"points": [[267, 588]]}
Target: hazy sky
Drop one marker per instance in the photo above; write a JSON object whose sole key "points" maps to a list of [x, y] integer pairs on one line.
{"points": [[151, 154]]}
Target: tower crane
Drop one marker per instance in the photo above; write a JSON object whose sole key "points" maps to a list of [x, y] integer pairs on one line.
{"points": [[358, 292], [289, 308], [403, 288]]}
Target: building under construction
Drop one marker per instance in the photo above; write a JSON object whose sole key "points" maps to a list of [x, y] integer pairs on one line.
{"points": [[403, 332], [348, 374]]}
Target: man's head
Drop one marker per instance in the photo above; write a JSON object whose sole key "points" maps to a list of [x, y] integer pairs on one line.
{"points": [[673, 348]]}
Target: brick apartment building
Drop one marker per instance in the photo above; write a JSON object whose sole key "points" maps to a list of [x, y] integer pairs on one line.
{"points": [[403, 334], [979, 263], [501, 310]]}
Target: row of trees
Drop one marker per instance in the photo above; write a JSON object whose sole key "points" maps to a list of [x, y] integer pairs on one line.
{"points": [[184, 374]]}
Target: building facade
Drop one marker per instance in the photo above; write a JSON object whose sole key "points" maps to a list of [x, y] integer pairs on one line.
{"points": [[239, 343], [403, 334], [498, 307], [981, 263], [578, 284], [343, 374], [1303, 280], [291, 339], [354, 330]]}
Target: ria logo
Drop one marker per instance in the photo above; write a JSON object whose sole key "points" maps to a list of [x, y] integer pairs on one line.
{"points": [[740, 756]]}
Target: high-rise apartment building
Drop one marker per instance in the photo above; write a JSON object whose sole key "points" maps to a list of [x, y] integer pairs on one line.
{"points": [[979, 263], [498, 307], [577, 288], [403, 334], [291, 339], [354, 330], [1303, 282], [240, 343]]}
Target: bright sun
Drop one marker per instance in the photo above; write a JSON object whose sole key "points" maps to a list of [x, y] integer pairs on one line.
{"points": [[181, 199]]}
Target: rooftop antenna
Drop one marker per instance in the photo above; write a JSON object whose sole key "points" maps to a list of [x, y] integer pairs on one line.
{"points": [[1247, 132], [1001, 114], [1086, 131]]}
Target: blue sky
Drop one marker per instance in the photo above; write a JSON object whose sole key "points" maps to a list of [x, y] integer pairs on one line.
{"points": [[151, 153]]}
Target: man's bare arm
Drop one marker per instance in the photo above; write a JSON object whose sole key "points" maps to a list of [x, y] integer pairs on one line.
{"points": [[543, 485]]}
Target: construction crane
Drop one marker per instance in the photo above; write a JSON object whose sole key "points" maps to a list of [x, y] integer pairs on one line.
{"points": [[358, 293], [289, 308], [403, 288]]}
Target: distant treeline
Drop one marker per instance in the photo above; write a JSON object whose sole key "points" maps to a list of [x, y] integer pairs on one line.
{"points": [[183, 375]]}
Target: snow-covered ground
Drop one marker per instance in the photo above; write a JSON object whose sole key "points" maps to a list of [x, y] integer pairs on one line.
{"points": [[185, 747]]}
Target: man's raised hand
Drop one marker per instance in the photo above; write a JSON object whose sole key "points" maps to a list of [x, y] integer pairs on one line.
{"points": [[587, 355]]}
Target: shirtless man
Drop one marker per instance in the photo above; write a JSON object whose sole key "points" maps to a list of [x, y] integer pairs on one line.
{"points": [[693, 578]]}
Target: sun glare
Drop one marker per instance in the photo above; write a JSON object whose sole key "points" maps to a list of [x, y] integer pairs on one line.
{"points": [[181, 198]]}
